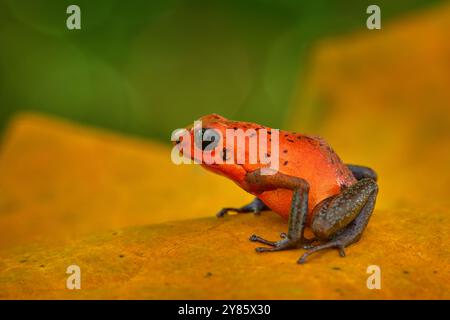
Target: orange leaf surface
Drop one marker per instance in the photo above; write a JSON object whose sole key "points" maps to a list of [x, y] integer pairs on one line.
{"points": [[212, 258]]}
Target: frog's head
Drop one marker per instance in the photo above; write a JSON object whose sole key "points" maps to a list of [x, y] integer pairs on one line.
{"points": [[208, 145]]}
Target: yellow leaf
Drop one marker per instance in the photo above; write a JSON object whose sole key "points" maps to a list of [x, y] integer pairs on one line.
{"points": [[212, 258]]}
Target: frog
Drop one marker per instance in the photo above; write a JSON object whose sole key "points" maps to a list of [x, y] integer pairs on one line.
{"points": [[312, 188]]}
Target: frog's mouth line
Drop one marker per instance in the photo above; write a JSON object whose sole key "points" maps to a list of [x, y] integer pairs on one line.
{"points": [[223, 155]]}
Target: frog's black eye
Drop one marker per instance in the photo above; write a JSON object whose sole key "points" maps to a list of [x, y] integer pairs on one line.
{"points": [[207, 139]]}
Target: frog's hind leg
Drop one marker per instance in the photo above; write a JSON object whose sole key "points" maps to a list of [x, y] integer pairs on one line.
{"points": [[361, 172], [256, 206], [341, 219]]}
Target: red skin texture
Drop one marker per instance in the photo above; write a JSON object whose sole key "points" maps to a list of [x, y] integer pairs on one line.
{"points": [[300, 155]]}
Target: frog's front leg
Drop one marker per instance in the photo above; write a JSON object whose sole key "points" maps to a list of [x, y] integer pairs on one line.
{"points": [[340, 220], [256, 206], [299, 208]]}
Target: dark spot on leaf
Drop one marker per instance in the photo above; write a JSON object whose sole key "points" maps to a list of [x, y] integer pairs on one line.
{"points": [[405, 272], [285, 163], [336, 268], [290, 140], [121, 255]]}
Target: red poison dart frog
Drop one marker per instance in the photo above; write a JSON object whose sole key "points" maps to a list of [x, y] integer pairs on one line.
{"points": [[311, 188]]}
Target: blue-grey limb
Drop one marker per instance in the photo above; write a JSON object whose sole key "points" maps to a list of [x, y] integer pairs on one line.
{"points": [[256, 206], [337, 221]]}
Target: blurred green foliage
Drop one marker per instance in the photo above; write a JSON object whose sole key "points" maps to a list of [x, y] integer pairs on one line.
{"points": [[147, 67]]}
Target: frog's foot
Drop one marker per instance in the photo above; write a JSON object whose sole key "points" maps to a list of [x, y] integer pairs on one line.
{"points": [[343, 218], [256, 238], [283, 244], [332, 244], [256, 206]]}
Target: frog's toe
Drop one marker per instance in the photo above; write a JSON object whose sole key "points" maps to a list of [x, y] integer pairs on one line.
{"points": [[332, 244], [222, 213], [256, 238], [264, 249], [256, 206], [283, 244]]}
